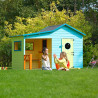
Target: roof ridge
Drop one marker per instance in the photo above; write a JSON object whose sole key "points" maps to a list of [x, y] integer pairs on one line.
{"points": [[55, 25]]}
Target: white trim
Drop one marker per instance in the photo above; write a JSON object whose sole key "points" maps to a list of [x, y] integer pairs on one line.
{"points": [[24, 47]]}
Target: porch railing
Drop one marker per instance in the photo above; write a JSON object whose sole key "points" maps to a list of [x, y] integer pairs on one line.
{"points": [[28, 58]]}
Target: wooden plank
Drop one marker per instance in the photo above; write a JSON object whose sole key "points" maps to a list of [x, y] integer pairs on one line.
{"points": [[30, 62]]}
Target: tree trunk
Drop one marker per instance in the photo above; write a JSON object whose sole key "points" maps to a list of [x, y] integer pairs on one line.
{"points": [[67, 9], [75, 7], [82, 3]]}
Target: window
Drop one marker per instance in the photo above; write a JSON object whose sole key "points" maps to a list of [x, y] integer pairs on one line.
{"points": [[29, 46], [67, 45], [17, 46], [44, 43]]}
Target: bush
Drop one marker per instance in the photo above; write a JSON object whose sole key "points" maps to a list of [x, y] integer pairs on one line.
{"points": [[5, 52]]}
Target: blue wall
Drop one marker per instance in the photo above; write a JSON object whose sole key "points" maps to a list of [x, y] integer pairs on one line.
{"points": [[65, 32]]}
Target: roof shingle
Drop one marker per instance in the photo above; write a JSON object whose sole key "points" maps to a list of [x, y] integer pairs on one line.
{"points": [[50, 28]]}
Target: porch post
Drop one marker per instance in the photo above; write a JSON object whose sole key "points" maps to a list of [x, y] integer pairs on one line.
{"points": [[24, 62], [30, 62]]}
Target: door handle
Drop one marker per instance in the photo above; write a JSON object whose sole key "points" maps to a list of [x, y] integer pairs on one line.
{"points": [[72, 53]]}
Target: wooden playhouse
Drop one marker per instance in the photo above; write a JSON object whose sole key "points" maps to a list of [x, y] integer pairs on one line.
{"points": [[27, 48]]}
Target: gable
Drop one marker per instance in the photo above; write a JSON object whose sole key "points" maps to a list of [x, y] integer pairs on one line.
{"points": [[66, 32], [60, 33]]}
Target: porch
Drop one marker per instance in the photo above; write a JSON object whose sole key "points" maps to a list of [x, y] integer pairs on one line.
{"points": [[33, 52]]}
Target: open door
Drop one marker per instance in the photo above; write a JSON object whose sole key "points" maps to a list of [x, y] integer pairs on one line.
{"points": [[67, 46]]}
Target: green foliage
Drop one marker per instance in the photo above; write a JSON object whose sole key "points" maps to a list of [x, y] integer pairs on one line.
{"points": [[88, 54], [1, 33], [29, 46], [5, 52], [48, 18], [95, 50], [78, 21], [89, 51]]}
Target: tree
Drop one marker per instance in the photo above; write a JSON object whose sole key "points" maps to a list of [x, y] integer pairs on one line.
{"points": [[48, 18]]}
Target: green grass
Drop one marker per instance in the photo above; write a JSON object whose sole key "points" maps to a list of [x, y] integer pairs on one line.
{"points": [[75, 83]]}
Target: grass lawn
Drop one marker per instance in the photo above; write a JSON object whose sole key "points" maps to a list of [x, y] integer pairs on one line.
{"points": [[75, 83]]}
